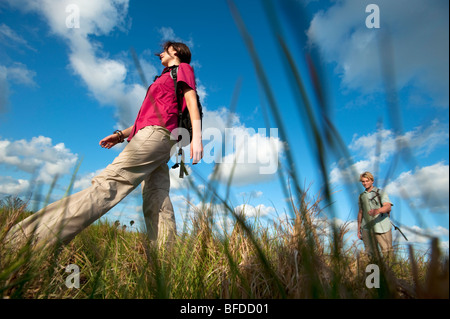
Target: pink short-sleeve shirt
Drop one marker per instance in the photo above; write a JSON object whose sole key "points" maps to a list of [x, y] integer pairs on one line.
{"points": [[160, 104]]}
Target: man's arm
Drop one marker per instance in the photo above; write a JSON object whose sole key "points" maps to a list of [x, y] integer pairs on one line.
{"points": [[386, 208], [359, 222]]}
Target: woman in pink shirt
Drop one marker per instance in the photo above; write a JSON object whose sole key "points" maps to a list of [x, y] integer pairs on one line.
{"points": [[160, 104], [143, 161]]}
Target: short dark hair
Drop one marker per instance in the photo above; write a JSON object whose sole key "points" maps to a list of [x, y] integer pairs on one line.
{"points": [[183, 52]]}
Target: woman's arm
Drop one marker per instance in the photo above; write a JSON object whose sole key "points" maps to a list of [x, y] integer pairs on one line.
{"points": [[196, 145]]}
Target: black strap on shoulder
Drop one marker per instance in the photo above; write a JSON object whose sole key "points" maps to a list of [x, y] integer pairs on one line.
{"points": [[377, 192], [173, 75], [389, 214], [377, 195]]}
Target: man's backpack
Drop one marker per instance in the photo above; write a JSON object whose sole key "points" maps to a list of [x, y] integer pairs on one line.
{"points": [[377, 196], [184, 121], [377, 192]]}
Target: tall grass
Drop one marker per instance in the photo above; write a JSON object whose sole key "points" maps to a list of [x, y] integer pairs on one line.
{"points": [[285, 259], [302, 256]]}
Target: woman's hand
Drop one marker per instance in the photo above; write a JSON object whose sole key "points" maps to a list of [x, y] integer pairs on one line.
{"points": [[109, 141], [196, 150], [115, 138]]}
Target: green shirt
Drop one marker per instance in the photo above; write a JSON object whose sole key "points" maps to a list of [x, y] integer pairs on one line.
{"points": [[370, 200]]}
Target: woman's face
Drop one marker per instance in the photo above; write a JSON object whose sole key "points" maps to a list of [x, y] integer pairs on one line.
{"points": [[168, 57]]}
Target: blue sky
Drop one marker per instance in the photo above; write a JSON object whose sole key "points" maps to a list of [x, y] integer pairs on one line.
{"points": [[63, 88]]}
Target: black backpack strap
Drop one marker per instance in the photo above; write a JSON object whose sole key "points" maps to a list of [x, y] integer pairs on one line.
{"points": [[173, 75], [377, 195], [379, 198]]}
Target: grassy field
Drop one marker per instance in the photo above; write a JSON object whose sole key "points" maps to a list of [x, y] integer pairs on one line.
{"points": [[284, 260], [305, 257]]}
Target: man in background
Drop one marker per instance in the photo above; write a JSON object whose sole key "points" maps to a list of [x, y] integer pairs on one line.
{"points": [[374, 225]]}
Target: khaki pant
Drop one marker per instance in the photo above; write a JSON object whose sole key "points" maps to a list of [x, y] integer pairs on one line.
{"points": [[371, 239], [143, 160]]}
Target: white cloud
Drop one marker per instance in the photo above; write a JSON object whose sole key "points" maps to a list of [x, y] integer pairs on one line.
{"points": [[245, 155], [10, 38], [17, 73], [241, 174], [223, 219], [168, 34], [175, 181], [250, 157], [421, 140], [254, 211], [419, 37], [425, 188], [20, 74], [12, 186], [252, 194], [85, 181], [95, 17], [37, 156], [4, 89], [381, 146], [417, 236], [104, 77]]}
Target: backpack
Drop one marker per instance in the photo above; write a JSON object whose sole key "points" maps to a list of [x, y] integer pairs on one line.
{"points": [[377, 195], [377, 192], [184, 120]]}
